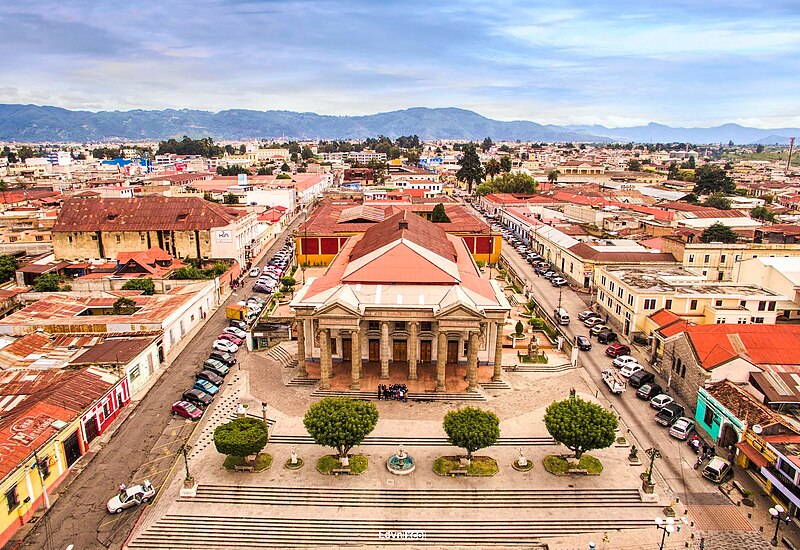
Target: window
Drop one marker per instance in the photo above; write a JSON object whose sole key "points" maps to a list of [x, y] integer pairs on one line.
{"points": [[691, 258], [399, 326], [758, 320], [650, 303], [762, 306], [707, 258], [12, 498], [333, 345], [630, 299], [39, 238], [570, 267], [741, 321], [142, 238], [601, 296], [718, 303], [12, 239], [426, 327], [135, 373], [693, 305], [787, 468], [603, 280], [668, 304], [374, 325], [118, 238], [705, 272], [69, 239], [683, 371], [721, 321], [709, 419], [618, 309], [620, 292], [722, 259], [609, 302], [742, 303], [611, 286], [94, 237], [771, 306], [737, 257], [106, 409], [44, 466]]}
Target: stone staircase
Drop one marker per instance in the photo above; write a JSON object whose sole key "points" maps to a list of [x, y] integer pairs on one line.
{"points": [[495, 385], [284, 353], [299, 381], [375, 440], [538, 367], [410, 498], [419, 397]]}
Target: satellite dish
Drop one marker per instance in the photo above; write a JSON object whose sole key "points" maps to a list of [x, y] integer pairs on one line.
{"points": [[757, 428]]}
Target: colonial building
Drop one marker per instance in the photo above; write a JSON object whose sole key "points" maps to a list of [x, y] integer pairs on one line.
{"points": [[403, 292], [185, 227]]}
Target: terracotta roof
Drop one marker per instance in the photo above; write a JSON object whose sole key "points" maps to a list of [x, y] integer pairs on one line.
{"points": [[677, 327], [145, 213], [664, 317], [149, 256], [411, 227], [587, 252], [15, 196], [773, 346]]}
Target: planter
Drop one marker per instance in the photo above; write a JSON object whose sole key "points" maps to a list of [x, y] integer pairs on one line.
{"points": [[648, 488]]}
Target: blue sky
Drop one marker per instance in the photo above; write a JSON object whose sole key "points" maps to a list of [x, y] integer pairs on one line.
{"points": [[607, 62]]}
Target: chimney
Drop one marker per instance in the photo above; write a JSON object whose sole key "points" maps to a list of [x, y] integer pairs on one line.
{"points": [[403, 224]]}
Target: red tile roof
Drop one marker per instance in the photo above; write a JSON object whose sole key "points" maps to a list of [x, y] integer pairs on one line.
{"points": [[411, 227], [775, 346]]}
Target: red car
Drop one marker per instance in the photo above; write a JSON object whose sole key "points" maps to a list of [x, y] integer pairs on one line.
{"points": [[186, 410], [615, 350], [230, 338]]}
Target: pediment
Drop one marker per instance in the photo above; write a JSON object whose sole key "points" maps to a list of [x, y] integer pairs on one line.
{"points": [[458, 311], [336, 309]]}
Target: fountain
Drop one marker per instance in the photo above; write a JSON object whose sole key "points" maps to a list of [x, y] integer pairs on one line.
{"points": [[400, 463]]}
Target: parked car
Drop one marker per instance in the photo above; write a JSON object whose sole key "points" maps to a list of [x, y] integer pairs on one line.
{"points": [[583, 315], [583, 343], [640, 378], [197, 398], [258, 287], [606, 336], [131, 496], [239, 333], [186, 410], [230, 338], [597, 329], [682, 428], [212, 377], [622, 360], [648, 391], [223, 357], [225, 345], [718, 470], [206, 386], [549, 274], [630, 369], [615, 350], [660, 401], [217, 367], [255, 272], [558, 281], [669, 414], [592, 321], [237, 323]]}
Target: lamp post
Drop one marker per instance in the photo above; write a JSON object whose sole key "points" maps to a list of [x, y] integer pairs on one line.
{"points": [[653, 453], [264, 411], [669, 526], [778, 513], [184, 450]]}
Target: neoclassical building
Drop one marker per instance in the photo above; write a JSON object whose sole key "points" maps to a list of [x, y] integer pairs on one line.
{"points": [[402, 293]]}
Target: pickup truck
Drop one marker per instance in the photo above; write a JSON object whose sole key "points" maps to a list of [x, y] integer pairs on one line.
{"points": [[669, 414], [614, 381]]}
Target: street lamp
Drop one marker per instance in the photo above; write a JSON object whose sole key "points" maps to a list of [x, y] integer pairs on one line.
{"points": [[778, 514], [653, 453], [184, 450], [669, 526], [264, 411]]}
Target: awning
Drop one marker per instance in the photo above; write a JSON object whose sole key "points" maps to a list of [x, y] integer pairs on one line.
{"points": [[754, 456], [787, 305]]}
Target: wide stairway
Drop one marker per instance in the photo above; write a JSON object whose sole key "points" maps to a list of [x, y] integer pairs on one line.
{"points": [[280, 517], [419, 397], [284, 353], [375, 440]]}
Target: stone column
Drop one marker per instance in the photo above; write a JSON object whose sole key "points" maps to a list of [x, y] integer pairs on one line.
{"points": [[386, 350], [301, 349], [325, 360], [413, 344], [472, 363], [498, 352], [441, 361], [355, 351]]}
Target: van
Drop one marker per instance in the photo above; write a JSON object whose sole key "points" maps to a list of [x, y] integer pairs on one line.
{"points": [[561, 316], [717, 470]]}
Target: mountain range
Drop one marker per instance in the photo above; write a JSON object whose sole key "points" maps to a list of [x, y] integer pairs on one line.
{"points": [[34, 123]]}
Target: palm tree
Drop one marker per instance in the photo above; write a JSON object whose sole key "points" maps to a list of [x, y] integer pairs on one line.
{"points": [[492, 168], [552, 176]]}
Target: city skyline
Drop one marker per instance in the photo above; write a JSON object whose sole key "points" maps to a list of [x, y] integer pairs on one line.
{"points": [[578, 63]]}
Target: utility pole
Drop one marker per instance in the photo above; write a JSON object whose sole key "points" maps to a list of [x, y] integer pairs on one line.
{"points": [[791, 147], [41, 477]]}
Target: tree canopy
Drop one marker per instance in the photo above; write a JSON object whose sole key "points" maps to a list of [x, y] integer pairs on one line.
{"points": [[187, 146], [580, 425], [340, 422], [634, 165], [757, 213], [711, 179], [438, 215], [718, 200], [492, 167], [505, 163], [719, 233], [124, 306], [552, 176], [241, 437], [487, 144], [145, 285], [508, 183], [46, 283], [471, 171], [471, 429], [8, 265], [231, 170]]}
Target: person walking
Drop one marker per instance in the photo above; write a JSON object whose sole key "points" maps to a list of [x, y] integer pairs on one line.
{"points": [[379, 392]]}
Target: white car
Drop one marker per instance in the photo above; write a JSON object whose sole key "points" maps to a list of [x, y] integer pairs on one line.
{"points": [[592, 321], [225, 345], [236, 332], [131, 496], [623, 360], [660, 401], [255, 272], [629, 370]]}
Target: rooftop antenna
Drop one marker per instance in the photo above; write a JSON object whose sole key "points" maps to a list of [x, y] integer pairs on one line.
{"points": [[791, 146]]}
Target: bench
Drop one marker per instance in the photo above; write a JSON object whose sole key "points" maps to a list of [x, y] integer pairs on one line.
{"points": [[459, 472], [577, 471], [739, 487], [243, 468], [337, 471]]}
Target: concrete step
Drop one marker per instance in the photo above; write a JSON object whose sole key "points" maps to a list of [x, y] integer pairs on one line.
{"points": [[409, 498], [539, 368], [415, 441], [284, 356], [298, 381], [419, 397], [495, 385]]}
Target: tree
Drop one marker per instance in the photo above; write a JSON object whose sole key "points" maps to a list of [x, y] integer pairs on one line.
{"points": [[230, 198], [188, 273], [379, 171], [147, 286], [718, 200], [306, 153], [285, 167], [471, 429], [3, 189], [757, 213], [124, 306], [492, 168], [8, 265], [712, 179], [519, 328], [505, 163], [552, 176], [471, 171], [438, 215], [340, 422], [231, 170], [487, 144], [719, 233], [634, 165], [265, 171], [46, 283], [509, 183], [241, 437], [580, 425], [484, 189], [759, 149], [672, 173]]}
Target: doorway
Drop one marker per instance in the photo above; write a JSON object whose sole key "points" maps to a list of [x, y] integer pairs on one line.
{"points": [[72, 449], [374, 350], [425, 350], [452, 351], [399, 350], [91, 429], [347, 349]]}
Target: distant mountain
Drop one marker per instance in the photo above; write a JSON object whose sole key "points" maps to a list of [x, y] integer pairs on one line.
{"points": [[39, 124], [35, 123], [659, 133]]}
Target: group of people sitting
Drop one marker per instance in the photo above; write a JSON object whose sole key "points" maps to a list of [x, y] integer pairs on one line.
{"points": [[395, 391]]}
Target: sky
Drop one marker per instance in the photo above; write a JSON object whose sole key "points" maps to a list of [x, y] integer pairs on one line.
{"points": [[616, 63]]}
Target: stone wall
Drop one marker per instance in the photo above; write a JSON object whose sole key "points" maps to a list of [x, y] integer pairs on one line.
{"points": [[687, 376], [82, 245]]}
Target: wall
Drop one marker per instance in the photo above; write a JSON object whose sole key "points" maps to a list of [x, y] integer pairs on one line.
{"points": [[83, 245]]}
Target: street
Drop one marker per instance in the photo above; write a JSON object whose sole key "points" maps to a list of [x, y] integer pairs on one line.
{"points": [[146, 446]]}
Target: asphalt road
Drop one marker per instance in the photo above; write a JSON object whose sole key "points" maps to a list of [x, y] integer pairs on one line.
{"points": [[145, 447]]}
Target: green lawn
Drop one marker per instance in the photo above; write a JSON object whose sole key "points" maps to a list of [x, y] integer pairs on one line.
{"points": [[480, 465], [263, 462], [560, 466], [358, 464]]}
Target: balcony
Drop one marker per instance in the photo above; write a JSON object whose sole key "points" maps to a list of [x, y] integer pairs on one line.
{"points": [[786, 486]]}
